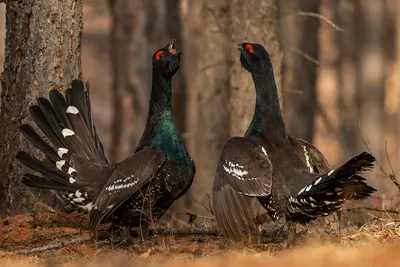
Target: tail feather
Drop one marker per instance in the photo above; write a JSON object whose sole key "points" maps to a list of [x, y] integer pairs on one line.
{"points": [[327, 192], [60, 106], [44, 182], [92, 127], [35, 139], [82, 133], [51, 118], [39, 166], [44, 126]]}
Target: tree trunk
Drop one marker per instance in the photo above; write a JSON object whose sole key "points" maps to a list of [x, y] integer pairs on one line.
{"points": [[370, 57], [346, 79], [301, 97], [43, 52]]}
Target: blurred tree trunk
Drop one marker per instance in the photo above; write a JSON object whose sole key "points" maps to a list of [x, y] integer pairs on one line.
{"points": [[212, 81], [43, 52], [301, 96], [397, 49], [346, 78], [130, 95], [370, 69]]}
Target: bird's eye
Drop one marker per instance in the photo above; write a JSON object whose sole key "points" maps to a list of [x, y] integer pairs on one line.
{"points": [[249, 48], [159, 54]]}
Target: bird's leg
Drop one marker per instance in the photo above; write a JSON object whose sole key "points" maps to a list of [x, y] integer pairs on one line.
{"points": [[339, 215], [291, 232], [259, 233], [126, 234]]}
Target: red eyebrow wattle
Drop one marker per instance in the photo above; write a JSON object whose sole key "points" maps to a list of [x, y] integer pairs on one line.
{"points": [[158, 54], [249, 48]]}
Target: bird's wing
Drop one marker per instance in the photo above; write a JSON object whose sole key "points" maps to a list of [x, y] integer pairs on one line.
{"points": [[127, 179], [314, 159], [244, 172], [245, 166]]}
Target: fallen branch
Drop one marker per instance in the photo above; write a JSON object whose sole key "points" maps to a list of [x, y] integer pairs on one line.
{"points": [[53, 246], [374, 209], [187, 231]]}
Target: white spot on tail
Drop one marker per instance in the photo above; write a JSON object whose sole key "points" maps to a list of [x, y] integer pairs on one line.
{"points": [[60, 164], [72, 110], [67, 132], [78, 199], [307, 159], [61, 151], [264, 151], [71, 170], [72, 180], [318, 180], [301, 191], [308, 187], [88, 206], [78, 193]]}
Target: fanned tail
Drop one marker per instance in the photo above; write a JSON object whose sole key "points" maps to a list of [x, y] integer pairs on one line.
{"points": [[68, 124], [327, 192]]}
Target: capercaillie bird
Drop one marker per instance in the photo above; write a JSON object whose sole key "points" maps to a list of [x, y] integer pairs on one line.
{"points": [[289, 177], [131, 193]]}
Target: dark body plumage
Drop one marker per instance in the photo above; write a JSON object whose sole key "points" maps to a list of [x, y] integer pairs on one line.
{"points": [[161, 169], [133, 192], [287, 176]]}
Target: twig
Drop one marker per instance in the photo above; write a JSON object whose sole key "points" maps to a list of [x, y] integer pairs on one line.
{"points": [[306, 56], [319, 16], [209, 208], [53, 246], [369, 149], [392, 175]]}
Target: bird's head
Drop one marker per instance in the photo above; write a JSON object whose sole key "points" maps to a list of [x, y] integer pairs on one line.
{"points": [[166, 60], [252, 56]]}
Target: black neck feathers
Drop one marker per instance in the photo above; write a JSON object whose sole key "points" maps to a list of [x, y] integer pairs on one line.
{"points": [[267, 119]]}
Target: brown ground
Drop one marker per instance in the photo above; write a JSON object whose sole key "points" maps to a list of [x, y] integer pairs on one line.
{"points": [[374, 244]]}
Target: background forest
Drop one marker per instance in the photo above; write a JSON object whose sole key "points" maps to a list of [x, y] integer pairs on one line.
{"points": [[336, 64], [337, 67]]}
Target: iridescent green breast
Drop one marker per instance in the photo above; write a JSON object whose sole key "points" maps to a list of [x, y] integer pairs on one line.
{"points": [[167, 139]]}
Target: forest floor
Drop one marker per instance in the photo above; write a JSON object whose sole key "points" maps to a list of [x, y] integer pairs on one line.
{"points": [[49, 238]]}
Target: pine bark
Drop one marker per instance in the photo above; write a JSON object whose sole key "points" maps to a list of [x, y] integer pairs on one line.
{"points": [[43, 52]]}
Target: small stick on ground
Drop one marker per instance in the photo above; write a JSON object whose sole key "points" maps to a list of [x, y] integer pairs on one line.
{"points": [[374, 209], [53, 246]]}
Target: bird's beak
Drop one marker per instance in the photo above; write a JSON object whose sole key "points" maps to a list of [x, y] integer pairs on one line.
{"points": [[171, 47]]}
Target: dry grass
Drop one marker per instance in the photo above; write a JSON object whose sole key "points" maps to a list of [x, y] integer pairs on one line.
{"points": [[374, 244]]}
